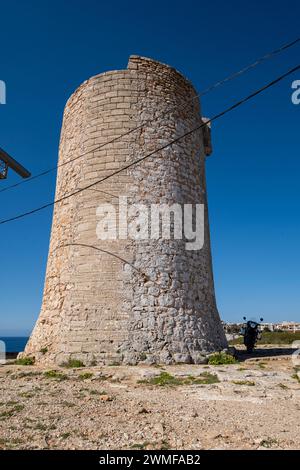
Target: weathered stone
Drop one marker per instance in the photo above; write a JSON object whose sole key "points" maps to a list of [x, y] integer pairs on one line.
{"points": [[114, 303], [199, 358], [230, 350], [182, 358]]}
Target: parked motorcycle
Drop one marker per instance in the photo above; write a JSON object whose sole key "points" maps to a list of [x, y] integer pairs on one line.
{"points": [[251, 334]]}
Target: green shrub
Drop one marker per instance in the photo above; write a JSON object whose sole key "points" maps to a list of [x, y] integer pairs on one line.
{"points": [[166, 379], [261, 365], [206, 378], [296, 377], [98, 392], [218, 359], [25, 361], [9, 413], [54, 374], [141, 446], [163, 379], [40, 427], [268, 443], [283, 386], [87, 375], [73, 363]]}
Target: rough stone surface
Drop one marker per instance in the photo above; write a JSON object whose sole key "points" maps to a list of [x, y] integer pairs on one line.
{"points": [[158, 304]]}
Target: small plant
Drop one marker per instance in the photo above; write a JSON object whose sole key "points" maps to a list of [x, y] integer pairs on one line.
{"points": [[268, 443], [244, 382], [6, 414], [25, 374], [25, 361], [296, 377], [18, 408], [162, 380], [12, 411], [98, 392], [166, 379], [87, 375], [68, 404], [54, 374], [65, 435], [165, 445], [26, 394], [283, 386], [44, 350], [206, 379], [141, 446], [10, 443], [40, 427], [73, 363], [218, 359], [261, 365]]}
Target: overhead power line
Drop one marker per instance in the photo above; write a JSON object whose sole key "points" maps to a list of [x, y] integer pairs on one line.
{"points": [[251, 66], [139, 160], [110, 253], [165, 113]]}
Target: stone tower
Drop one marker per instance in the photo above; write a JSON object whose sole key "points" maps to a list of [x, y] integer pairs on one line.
{"points": [[128, 300]]}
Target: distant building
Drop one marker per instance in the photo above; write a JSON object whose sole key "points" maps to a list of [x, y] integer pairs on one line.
{"points": [[234, 328], [287, 326]]}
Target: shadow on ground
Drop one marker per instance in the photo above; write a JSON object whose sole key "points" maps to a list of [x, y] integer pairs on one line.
{"points": [[242, 355]]}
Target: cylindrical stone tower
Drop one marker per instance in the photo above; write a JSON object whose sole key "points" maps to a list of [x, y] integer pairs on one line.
{"points": [[128, 300]]}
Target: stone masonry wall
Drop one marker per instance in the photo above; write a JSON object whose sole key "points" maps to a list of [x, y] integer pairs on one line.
{"points": [[160, 306]]}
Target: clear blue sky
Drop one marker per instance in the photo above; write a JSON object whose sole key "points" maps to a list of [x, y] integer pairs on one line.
{"points": [[49, 47]]}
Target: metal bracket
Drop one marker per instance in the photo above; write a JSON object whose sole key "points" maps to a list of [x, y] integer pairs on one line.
{"points": [[6, 161]]}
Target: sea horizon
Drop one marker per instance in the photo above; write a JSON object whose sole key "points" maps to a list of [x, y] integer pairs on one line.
{"points": [[14, 343]]}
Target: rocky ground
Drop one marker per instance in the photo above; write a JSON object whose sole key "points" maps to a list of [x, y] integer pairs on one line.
{"points": [[254, 404]]}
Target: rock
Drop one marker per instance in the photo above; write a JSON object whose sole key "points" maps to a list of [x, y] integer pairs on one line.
{"points": [[143, 411], [159, 428], [254, 373], [150, 360], [149, 373], [182, 358], [199, 358], [131, 359], [119, 376], [105, 398], [230, 350], [165, 357]]}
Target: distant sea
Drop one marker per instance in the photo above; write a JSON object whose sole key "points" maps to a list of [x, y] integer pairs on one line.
{"points": [[14, 343]]}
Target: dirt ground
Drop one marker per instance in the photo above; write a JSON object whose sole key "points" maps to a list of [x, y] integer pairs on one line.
{"points": [[254, 404]]}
